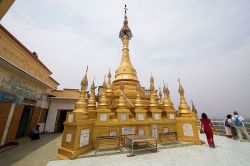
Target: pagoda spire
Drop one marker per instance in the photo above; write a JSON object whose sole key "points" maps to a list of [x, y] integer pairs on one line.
{"points": [[92, 101], [152, 87], [84, 82], [109, 85], [153, 100], [160, 96], [167, 104], [103, 101], [194, 109], [138, 101], [109, 77], [184, 109], [125, 69], [81, 104]]}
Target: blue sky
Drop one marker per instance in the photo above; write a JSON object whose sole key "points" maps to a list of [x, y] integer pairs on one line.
{"points": [[205, 43]]}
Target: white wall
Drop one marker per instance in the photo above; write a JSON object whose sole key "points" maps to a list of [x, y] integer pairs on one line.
{"points": [[55, 105]]}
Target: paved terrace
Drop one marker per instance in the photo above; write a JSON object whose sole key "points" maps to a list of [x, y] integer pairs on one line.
{"points": [[39, 153]]}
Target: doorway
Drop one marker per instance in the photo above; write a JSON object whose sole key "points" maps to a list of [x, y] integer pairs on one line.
{"points": [[24, 121], [61, 117]]}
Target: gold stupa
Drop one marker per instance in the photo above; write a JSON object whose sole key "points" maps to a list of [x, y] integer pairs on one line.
{"points": [[124, 107]]}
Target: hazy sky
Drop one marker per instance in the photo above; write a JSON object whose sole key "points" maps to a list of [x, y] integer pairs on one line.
{"points": [[205, 43]]}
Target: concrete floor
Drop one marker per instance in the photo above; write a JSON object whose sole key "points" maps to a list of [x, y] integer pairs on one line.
{"points": [[228, 152], [32, 153], [41, 152]]}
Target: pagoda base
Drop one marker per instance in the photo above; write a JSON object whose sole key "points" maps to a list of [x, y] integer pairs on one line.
{"points": [[187, 129], [77, 136]]}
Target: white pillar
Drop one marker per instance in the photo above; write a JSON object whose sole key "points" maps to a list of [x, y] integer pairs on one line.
{"points": [[7, 126]]}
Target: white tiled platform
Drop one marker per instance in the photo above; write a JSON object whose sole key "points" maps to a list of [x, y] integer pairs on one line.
{"points": [[227, 153]]}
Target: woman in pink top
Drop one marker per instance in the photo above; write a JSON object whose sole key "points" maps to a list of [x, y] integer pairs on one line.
{"points": [[206, 126]]}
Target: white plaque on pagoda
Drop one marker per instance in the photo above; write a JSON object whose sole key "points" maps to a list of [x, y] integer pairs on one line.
{"points": [[123, 117], [157, 116], [141, 131], [84, 137], [140, 116], [68, 137], [103, 117], [154, 131], [171, 116], [165, 130], [128, 130], [188, 129], [112, 133]]}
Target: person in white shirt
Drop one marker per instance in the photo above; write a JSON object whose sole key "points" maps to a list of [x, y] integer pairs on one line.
{"points": [[239, 125]]}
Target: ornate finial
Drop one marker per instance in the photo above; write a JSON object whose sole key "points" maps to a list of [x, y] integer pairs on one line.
{"points": [[103, 102], [181, 90], [152, 88], [84, 83], [160, 93], [125, 31], [151, 78], [93, 84], [92, 92], [125, 9], [91, 101], [167, 91], [164, 88], [193, 108], [192, 105], [109, 74], [104, 82]]}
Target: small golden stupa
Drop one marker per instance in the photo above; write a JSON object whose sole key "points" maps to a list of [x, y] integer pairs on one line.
{"points": [[124, 107]]}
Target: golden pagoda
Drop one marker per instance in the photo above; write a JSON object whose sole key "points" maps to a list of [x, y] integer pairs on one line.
{"points": [[123, 107]]}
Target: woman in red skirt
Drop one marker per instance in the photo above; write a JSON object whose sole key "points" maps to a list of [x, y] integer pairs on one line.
{"points": [[206, 126]]}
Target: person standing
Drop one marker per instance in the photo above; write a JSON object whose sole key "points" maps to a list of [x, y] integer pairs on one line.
{"points": [[227, 126], [239, 126], [35, 133], [206, 125]]}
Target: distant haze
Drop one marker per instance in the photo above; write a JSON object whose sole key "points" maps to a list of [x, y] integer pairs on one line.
{"points": [[205, 43]]}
